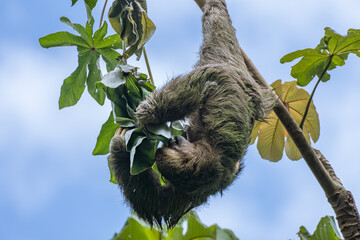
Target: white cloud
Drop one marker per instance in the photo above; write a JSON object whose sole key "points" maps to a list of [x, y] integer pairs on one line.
{"points": [[39, 143]]}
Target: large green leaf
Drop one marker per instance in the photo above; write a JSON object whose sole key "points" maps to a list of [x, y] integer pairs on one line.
{"points": [[142, 155], [74, 85], [332, 51], [107, 131], [94, 76], [80, 29], [61, 39], [137, 229], [134, 230], [325, 230], [90, 48]]}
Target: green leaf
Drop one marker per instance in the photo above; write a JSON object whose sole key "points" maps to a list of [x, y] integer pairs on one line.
{"points": [[197, 230], [109, 56], [125, 122], [94, 76], [74, 86], [339, 44], [90, 22], [148, 28], [118, 102], [160, 132], [177, 128], [326, 230], [112, 41], [133, 91], [114, 79], [137, 229], [112, 176], [134, 230], [100, 34], [107, 132], [73, 2], [80, 29], [142, 155], [60, 39], [304, 234], [91, 3], [132, 137], [332, 51]]}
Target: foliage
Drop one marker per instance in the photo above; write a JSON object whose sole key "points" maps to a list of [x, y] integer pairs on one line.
{"points": [[90, 47], [135, 229], [326, 230], [126, 88], [122, 85], [129, 19], [331, 52], [271, 134]]}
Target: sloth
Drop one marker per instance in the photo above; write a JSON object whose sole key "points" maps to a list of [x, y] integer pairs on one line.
{"points": [[221, 100]]}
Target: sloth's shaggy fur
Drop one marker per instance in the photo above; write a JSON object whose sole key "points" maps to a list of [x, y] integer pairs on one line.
{"points": [[221, 100]]}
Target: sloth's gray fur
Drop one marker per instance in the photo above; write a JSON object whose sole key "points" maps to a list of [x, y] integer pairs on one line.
{"points": [[221, 100]]}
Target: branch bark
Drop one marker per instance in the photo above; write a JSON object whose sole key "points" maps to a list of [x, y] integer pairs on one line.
{"points": [[339, 198]]}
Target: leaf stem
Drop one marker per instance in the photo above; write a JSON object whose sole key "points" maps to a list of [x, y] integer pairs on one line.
{"points": [[102, 14], [313, 92], [148, 66], [124, 49]]}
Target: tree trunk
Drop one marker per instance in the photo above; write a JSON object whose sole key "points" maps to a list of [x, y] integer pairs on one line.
{"points": [[339, 198]]}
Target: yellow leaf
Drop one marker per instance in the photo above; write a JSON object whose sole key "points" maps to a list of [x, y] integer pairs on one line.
{"points": [[271, 138], [271, 134]]}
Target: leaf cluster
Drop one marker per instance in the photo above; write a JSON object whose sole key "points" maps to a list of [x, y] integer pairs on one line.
{"points": [[271, 134], [90, 46], [135, 229], [331, 52], [129, 19], [325, 230], [126, 88]]}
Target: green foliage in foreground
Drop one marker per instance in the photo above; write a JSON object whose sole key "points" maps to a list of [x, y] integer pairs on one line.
{"points": [[326, 230], [135, 229]]}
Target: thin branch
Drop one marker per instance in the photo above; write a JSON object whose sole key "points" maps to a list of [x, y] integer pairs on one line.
{"points": [[102, 14], [148, 66], [313, 92]]}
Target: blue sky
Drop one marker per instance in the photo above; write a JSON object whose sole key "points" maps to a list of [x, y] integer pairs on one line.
{"points": [[52, 187]]}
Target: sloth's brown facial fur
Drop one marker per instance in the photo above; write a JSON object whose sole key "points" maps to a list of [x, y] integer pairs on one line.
{"points": [[221, 100]]}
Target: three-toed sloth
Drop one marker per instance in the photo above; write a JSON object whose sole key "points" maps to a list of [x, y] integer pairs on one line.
{"points": [[221, 101]]}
